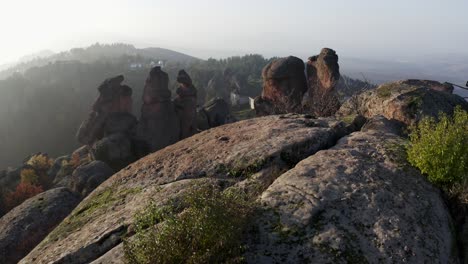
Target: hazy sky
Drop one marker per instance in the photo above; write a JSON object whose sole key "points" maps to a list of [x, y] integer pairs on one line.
{"points": [[358, 28]]}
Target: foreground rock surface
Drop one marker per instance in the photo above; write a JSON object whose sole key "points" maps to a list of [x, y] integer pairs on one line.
{"points": [[228, 154], [26, 225], [358, 202], [406, 101]]}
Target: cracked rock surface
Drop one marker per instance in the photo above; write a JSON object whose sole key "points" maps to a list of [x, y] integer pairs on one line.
{"points": [[357, 202], [230, 154]]}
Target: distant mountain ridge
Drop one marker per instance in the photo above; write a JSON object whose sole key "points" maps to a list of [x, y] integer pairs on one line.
{"points": [[105, 52]]}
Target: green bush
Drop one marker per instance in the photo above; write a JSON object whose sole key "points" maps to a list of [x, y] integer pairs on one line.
{"points": [[440, 148], [205, 227]]}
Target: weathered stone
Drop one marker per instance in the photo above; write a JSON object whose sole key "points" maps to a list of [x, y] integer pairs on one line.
{"points": [[26, 225], [215, 113], [89, 176], [115, 150], [323, 74], [284, 84], [186, 105], [358, 202], [441, 87], [273, 144], [113, 98], [403, 102], [159, 125]]}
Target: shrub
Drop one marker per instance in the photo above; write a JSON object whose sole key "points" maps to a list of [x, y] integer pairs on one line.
{"points": [[205, 227], [440, 148], [29, 176], [40, 162], [23, 192]]}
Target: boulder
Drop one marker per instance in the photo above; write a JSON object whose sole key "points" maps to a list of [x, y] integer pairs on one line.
{"points": [[323, 74], [259, 149], [57, 166], [403, 102], [159, 125], [215, 113], [186, 105], [89, 176], [357, 202], [284, 84], [116, 150], [26, 225]]}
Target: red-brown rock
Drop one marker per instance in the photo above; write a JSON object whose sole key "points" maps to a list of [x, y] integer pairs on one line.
{"points": [[323, 74], [284, 85]]}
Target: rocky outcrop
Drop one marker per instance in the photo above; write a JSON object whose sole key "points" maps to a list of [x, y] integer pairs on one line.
{"points": [[259, 149], [113, 98], [26, 225], [405, 101], [109, 131], [441, 87], [215, 113], [358, 202], [186, 105], [116, 150], [323, 74], [284, 84], [89, 176], [158, 126]]}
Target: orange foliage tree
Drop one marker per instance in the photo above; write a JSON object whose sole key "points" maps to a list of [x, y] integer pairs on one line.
{"points": [[23, 191]]}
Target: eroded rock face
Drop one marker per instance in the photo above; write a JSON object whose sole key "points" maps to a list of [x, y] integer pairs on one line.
{"points": [[113, 98], [215, 113], [186, 105], [259, 149], [159, 125], [405, 101], [358, 202], [441, 87], [89, 176], [26, 225], [323, 74], [284, 85]]}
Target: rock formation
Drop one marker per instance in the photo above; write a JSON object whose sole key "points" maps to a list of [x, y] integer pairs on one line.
{"points": [[110, 128], [89, 176], [357, 202], [268, 146], [186, 105], [29, 223], [284, 85], [158, 126], [353, 201], [405, 101], [441, 87], [214, 113], [323, 74], [114, 98]]}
